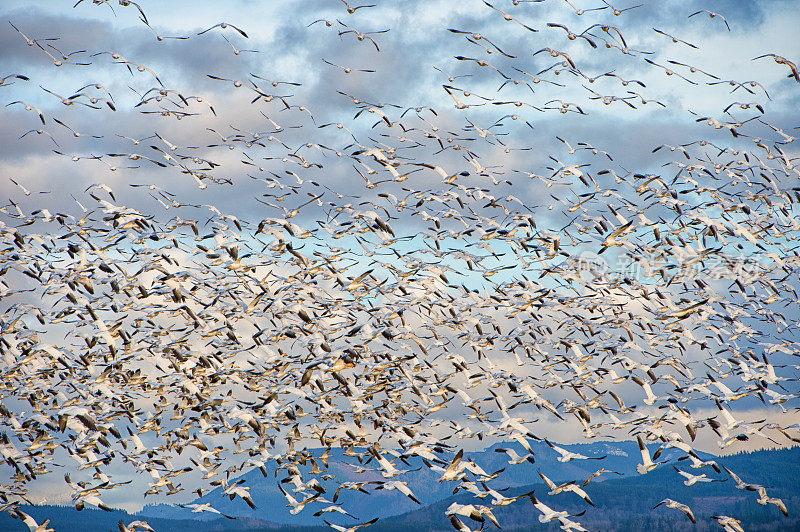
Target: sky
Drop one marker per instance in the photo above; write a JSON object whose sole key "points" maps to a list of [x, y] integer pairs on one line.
{"points": [[405, 76], [191, 120]]}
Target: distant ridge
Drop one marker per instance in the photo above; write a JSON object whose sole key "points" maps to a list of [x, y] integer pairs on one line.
{"points": [[769, 467]]}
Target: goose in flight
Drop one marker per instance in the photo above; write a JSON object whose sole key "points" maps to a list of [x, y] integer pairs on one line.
{"points": [[450, 78], [597, 474], [556, 53], [568, 524], [64, 60], [347, 70], [474, 37], [783, 61], [39, 132], [13, 76], [340, 528], [513, 457], [568, 456], [28, 40], [618, 12], [567, 486], [610, 241], [223, 26], [476, 513], [647, 464], [580, 11], [206, 507], [139, 68], [459, 525], [675, 39], [29, 107], [548, 514], [68, 101], [134, 526], [678, 506], [691, 479], [333, 508], [351, 9], [740, 484], [400, 486], [728, 524], [669, 72], [361, 35], [454, 470], [571, 35], [33, 526], [692, 69], [711, 14], [509, 18], [607, 29], [327, 22], [237, 51], [763, 500], [480, 62]]}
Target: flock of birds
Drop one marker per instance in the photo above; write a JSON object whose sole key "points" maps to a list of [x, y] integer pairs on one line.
{"points": [[427, 305]]}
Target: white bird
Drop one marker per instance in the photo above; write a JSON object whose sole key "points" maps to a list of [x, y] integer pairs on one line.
{"points": [[729, 524], [763, 500], [647, 464], [205, 507], [513, 457], [33, 526], [691, 479], [783, 61], [474, 512], [13, 76], [340, 528], [711, 14], [402, 487], [223, 26], [134, 526], [548, 514], [29, 107], [568, 456], [679, 506], [567, 486]]}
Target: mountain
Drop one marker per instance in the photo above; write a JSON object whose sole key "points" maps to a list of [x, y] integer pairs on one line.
{"points": [[621, 457], [626, 503], [622, 503], [63, 518], [271, 504]]}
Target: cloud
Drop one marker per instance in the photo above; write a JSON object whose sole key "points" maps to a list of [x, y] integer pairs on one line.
{"points": [[473, 195]]}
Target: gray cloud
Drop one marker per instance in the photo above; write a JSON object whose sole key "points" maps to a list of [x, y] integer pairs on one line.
{"points": [[416, 43]]}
